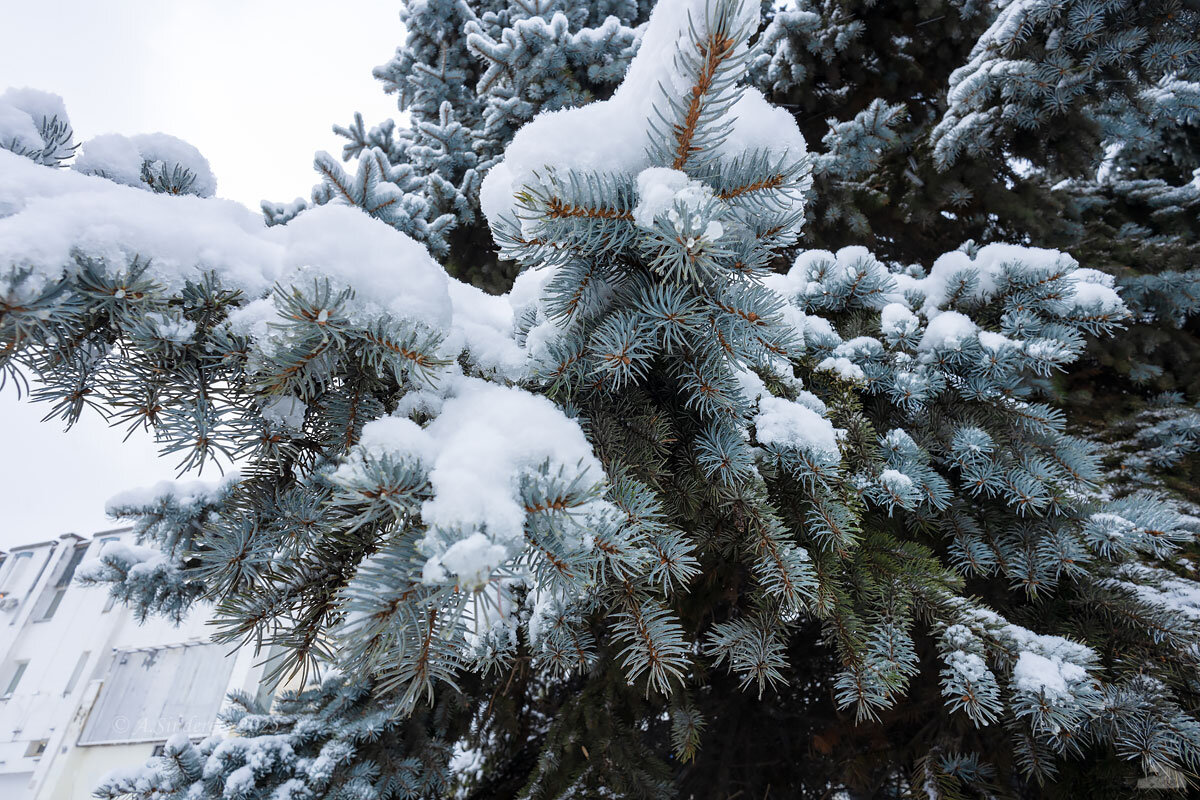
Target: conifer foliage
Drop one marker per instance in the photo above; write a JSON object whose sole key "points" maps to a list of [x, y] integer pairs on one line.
{"points": [[468, 75], [561, 542], [1066, 124], [334, 740]]}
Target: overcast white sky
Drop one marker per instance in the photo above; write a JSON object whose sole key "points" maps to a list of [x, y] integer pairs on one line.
{"points": [[256, 85]]}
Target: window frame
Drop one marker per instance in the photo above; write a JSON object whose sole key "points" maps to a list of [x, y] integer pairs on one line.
{"points": [[77, 672], [14, 679]]}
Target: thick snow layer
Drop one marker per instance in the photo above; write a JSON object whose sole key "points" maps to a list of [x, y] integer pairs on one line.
{"points": [[662, 191], [843, 367], [896, 482], [486, 439], [386, 268], [612, 136], [120, 159], [1092, 288], [111, 156], [22, 114], [658, 188], [164, 149], [751, 385], [37, 104], [994, 342], [135, 559], [949, 330], [812, 401], [795, 284], [48, 214], [17, 129], [821, 332], [818, 273], [483, 327], [396, 437], [790, 424], [183, 493], [782, 425], [45, 214], [897, 320], [1052, 676]]}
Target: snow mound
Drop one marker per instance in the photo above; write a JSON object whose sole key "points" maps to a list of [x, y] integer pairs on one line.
{"points": [[122, 158], [23, 112], [791, 424], [49, 216], [484, 442]]}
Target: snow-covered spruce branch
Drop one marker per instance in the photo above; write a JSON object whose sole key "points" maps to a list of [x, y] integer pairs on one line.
{"points": [[444, 488]]}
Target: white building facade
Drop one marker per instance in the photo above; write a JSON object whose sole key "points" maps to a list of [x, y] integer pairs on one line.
{"points": [[85, 688]]}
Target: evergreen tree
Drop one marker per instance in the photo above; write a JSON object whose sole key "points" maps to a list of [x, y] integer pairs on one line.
{"points": [[587, 537], [1068, 124], [330, 741], [468, 75]]}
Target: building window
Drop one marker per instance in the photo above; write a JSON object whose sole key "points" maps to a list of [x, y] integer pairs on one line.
{"points": [[18, 563], [55, 600], [15, 678], [59, 589], [77, 672], [36, 748], [150, 695]]}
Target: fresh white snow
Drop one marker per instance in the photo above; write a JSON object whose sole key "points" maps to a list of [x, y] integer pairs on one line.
{"points": [[485, 440], [612, 136], [120, 159]]}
